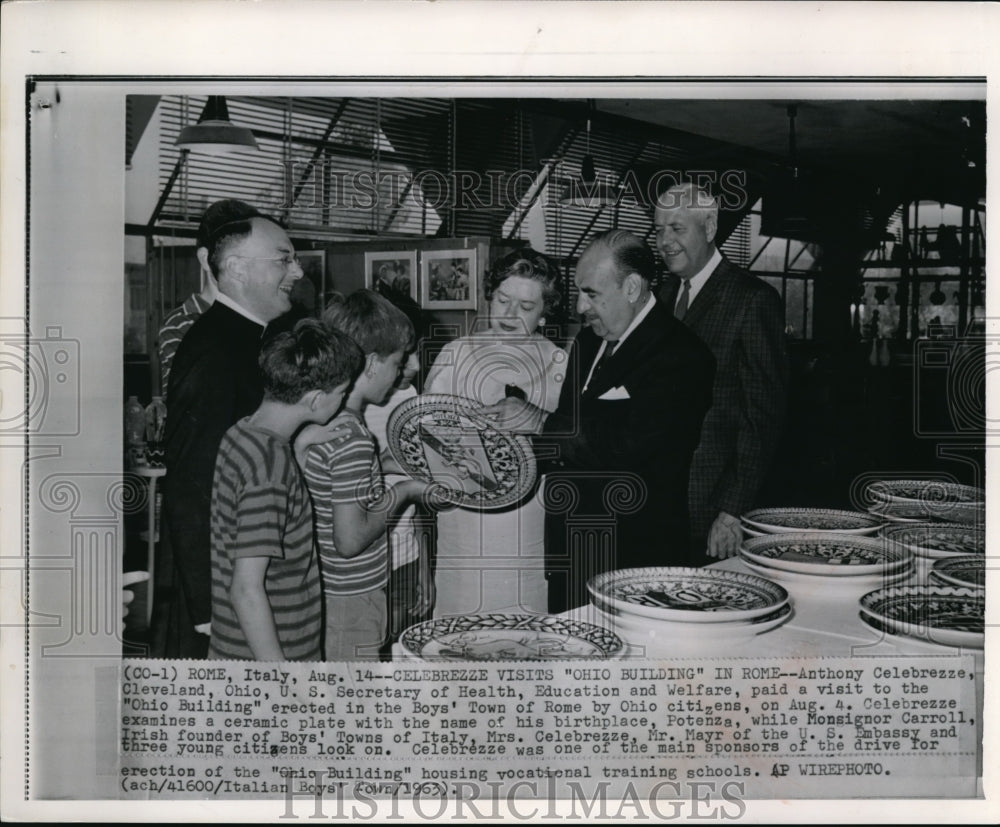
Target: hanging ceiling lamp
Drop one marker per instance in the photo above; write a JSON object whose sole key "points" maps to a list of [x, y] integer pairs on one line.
{"points": [[214, 133], [588, 191]]}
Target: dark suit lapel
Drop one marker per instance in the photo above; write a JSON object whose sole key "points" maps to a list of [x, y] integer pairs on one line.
{"points": [[708, 296], [582, 354], [629, 354], [668, 293]]}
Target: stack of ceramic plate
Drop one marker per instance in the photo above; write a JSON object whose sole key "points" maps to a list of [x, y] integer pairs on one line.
{"points": [[938, 541], [964, 572], [763, 521], [833, 559], [907, 501], [509, 637], [947, 615], [688, 604]]}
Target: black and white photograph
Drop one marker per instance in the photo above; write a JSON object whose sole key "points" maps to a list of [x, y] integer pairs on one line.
{"points": [[449, 280], [503, 442], [313, 281], [392, 273]]}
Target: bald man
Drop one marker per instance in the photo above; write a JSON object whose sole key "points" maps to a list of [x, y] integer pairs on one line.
{"points": [[742, 320], [618, 447], [214, 382]]}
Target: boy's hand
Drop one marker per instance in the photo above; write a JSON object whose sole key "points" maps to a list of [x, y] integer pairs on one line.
{"points": [[425, 589], [513, 414], [389, 464], [430, 494]]}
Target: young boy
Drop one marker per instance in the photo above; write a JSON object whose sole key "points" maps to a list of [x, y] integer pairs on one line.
{"points": [[266, 589], [410, 592], [353, 509]]}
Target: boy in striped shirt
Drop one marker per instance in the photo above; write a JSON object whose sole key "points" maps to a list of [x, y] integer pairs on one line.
{"points": [[266, 602], [352, 507]]}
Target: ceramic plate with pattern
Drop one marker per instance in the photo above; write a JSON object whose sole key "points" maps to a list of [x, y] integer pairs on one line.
{"points": [[444, 439], [912, 512], [938, 540], [636, 629], [862, 582], [926, 492], [509, 637], [686, 594], [968, 572], [927, 500], [826, 554], [896, 513], [781, 520], [941, 614]]}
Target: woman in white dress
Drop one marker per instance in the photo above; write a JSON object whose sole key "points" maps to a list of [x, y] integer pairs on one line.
{"points": [[494, 560]]}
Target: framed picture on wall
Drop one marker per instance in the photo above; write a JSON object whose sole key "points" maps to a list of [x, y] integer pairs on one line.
{"points": [[449, 280], [394, 271], [310, 290]]}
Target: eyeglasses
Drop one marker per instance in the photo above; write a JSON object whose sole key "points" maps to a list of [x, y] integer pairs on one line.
{"points": [[287, 260]]}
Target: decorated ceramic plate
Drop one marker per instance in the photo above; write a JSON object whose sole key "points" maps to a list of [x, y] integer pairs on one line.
{"points": [[509, 637], [444, 439], [939, 540], [896, 513], [967, 572], [752, 532], [636, 629], [883, 629], [926, 492], [860, 582], [686, 594], [941, 614], [927, 500], [825, 554], [780, 520]]}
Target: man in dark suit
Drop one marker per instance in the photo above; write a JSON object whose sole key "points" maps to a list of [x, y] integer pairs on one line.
{"points": [[617, 449], [214, 382], [742, 320]]}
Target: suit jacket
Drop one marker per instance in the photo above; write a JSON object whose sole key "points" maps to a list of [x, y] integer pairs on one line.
{"points": [[214, 382], [617, 467], [742, 320]]}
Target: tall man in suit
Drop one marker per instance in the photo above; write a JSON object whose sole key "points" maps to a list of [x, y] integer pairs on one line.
{"points": [[742, 320], [214, 382], [618, 447]]}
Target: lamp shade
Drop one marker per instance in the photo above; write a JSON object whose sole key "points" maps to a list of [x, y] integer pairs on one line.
{"points": [[214, 133], [587, 190]]}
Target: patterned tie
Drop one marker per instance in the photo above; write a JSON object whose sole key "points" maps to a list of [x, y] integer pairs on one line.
{"points": [[681, 309]]}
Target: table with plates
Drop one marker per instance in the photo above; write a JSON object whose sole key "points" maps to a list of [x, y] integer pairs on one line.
{"points": [[905, 578]]}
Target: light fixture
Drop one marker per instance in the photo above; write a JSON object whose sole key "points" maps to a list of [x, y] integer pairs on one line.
{"points": [[214, 133], [587, 191]]}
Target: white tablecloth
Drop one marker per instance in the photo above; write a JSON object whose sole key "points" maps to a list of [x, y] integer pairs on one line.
{"points": [[825, 622]]}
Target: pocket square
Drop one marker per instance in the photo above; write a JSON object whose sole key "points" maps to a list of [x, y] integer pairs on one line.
{"points": [[615, 393]]}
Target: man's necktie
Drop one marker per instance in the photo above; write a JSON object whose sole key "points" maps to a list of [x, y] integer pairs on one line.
{"points": [[681, 308], [608, 350]]}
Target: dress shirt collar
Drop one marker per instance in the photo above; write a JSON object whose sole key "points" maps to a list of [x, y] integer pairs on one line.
{"points": [[222, 298], [642, 314], [698, 279]]}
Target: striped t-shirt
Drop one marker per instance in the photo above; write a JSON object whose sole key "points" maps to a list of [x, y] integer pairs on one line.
{"points": [[260, 508], [174, 326], [347, 473]]}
